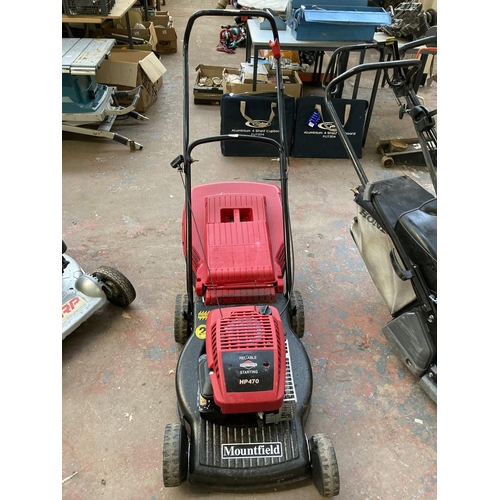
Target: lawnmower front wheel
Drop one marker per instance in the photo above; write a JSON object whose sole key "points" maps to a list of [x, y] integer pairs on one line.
{"points": [[324, 466], [181, 332], [297, 316], [119, 291], [175, 455]]}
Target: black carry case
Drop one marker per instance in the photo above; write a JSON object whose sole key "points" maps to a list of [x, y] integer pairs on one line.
{"points": [[315, 134], [254, 114]]}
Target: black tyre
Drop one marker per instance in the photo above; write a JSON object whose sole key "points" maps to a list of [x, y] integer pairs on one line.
{"points": [[175, 455], [180, 322], [297, 315], [119, 291], [324, 467]]}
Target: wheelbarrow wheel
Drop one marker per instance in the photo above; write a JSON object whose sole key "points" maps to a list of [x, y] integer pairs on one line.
{"points": [[180, 323], [324, 466], [387, 162], [175, 455], [297, 316], [119, 291]]}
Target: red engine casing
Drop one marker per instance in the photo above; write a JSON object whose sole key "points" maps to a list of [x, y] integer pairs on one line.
{"points": [[246, 358]]}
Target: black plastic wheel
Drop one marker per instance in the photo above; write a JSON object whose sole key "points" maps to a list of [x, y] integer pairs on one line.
{"points": [[180, 322], [175, 455], [324, 467], [431, 16], [119, 291], [297, 315]]}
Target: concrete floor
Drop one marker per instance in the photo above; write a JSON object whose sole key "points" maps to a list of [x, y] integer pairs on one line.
{"points": [[123, 209]]}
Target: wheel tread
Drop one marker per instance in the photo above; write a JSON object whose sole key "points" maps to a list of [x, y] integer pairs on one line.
{"points": [[327, 479], [172, 455], [123, 290]]}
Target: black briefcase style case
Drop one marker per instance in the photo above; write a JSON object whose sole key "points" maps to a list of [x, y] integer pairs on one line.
{"points": [[315, 134], [257, 115]]}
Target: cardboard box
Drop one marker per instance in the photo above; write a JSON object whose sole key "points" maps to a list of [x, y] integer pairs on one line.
{"points": [[246, 70], [127, 69], [148, 34], [166, 37], [293, 83], [340, 23], [204, 94], [165, 32]]}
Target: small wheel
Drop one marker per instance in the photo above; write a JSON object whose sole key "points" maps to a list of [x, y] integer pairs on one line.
{"points": [[119, 291], [175, 455], [324, 467], [297, 316], [431, 17], [387, 162], [180, 323]]}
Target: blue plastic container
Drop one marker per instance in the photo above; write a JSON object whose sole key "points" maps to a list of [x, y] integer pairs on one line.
{"points": [[332, 3], [342, 23]]}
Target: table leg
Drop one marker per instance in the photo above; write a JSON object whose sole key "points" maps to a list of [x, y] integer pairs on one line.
{"points": [[255, 63], [129, 31]]}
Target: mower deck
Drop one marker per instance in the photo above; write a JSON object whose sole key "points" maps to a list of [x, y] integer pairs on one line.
{"points": [[243, 451]]}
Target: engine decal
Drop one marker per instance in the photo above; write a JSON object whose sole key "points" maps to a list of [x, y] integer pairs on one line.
{"points": [[252, 450], [249, 371]]}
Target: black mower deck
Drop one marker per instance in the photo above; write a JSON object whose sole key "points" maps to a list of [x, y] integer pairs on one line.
{"points": [[243, 451]]}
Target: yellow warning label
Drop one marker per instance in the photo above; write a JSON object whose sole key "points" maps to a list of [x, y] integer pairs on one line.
{"points": [[201, 331], [202, 315]]}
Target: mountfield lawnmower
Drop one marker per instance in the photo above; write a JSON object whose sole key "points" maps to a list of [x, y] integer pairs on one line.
{"points": [[395, 228], [243, 378]]}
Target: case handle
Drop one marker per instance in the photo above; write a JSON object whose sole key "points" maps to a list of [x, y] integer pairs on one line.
{"points": [[257, 123]]}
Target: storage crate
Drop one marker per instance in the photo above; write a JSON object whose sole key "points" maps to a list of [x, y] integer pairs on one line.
{"points": [[324, 3], [338, 24], [87, 7]]}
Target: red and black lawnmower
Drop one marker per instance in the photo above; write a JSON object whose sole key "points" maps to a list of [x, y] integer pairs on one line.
{"points": [[395, 228], [243, 378]]}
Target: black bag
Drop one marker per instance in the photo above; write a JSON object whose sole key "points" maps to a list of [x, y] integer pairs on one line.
{"points": [[315, 134], [257, 115]]}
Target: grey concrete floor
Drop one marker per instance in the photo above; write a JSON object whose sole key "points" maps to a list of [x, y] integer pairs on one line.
{"points": [[123, 209]]}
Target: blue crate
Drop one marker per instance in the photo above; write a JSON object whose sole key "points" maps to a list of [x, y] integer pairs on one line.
{"points": [[295, 4], [340, 23]]}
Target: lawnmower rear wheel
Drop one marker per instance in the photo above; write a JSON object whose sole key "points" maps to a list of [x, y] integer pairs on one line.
{"points": [[175, 455], [119, 291], [324, 466], [297, 318], [180, 322]]}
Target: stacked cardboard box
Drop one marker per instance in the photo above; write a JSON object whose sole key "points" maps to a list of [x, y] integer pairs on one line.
{"points": [[165, 32]]}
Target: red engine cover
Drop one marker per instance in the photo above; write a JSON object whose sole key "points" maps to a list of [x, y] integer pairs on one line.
{"points": [[246, 358]]}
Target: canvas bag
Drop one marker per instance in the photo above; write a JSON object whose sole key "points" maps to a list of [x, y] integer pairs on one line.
{"points": [[322, 140], [375, 245], [257, 115]]}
